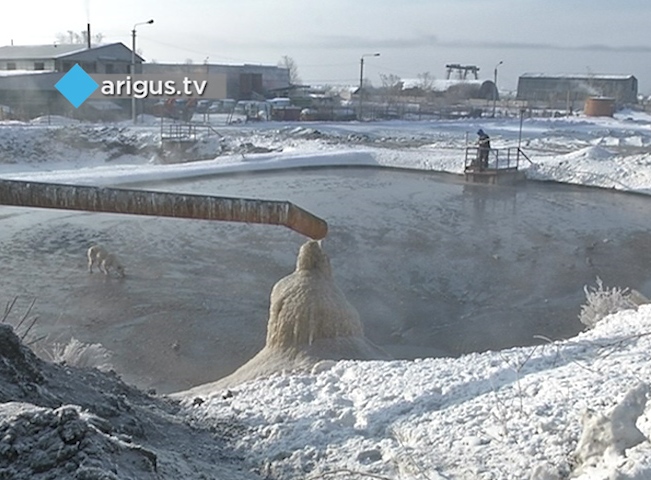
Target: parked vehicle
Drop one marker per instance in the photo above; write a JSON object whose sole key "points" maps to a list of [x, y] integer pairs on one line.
{"points": [[176, 108]]}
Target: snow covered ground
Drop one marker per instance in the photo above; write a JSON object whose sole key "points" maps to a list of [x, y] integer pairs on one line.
{"points": [[597, 151], [514, 414]]}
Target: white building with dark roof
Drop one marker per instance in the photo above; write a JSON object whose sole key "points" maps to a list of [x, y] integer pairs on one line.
{"points": [[110, 58], [28, 74]]}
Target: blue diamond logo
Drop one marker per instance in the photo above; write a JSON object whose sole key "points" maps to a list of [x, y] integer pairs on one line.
{"points": [[76, 85]]}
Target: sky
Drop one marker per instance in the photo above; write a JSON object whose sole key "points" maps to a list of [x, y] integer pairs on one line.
{"points": [[513, 414], [328, 39]]}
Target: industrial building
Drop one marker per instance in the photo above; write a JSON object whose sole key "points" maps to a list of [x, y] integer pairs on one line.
{"points": [[29, 73], [243, 82], [559, 91]]}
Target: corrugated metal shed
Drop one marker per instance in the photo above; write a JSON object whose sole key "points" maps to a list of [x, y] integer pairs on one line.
{"points": [[566, 88]]}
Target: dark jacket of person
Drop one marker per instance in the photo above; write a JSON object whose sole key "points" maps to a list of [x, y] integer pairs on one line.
{"points": [[484, 144], [484, 140]]}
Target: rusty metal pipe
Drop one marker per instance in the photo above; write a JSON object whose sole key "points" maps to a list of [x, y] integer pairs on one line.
{"points": [[161, 204]]}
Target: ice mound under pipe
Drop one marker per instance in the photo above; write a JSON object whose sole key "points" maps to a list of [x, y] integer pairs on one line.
{"points": [[311, 324], [162, 204]]}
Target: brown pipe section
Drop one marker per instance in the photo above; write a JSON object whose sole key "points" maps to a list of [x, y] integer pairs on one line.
{"points": [[161, 204]]}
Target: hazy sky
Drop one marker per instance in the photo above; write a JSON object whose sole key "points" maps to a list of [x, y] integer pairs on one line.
{"points": [[326, 39]]}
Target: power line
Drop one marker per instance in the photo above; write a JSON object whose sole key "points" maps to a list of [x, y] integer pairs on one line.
{"points": [[203, 54], [346, 81], [400, 73], [348, 64]]}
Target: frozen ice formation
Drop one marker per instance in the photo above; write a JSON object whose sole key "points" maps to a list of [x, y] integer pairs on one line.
{"points": [[310, 320]]}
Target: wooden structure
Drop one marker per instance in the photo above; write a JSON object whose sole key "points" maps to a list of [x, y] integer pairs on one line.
{"points": [[163, 204], [502, 165]]}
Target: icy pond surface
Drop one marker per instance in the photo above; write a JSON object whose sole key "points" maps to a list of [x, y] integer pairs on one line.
{"points": [[434, 266]]}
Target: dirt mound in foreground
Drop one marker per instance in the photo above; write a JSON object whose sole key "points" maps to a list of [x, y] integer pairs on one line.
{"points": [[67, 423]]}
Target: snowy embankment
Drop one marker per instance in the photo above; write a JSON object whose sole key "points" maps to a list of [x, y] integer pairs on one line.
{"points": [[125, 174], [607, 153], [514, 414], [597, 167]]}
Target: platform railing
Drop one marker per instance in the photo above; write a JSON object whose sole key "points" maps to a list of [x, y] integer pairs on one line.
{"points": [[498, 159], [179, 132]]}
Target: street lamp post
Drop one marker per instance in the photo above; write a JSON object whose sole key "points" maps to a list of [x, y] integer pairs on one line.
{"points": [[361, 79], [133, 64], [495, 85]]}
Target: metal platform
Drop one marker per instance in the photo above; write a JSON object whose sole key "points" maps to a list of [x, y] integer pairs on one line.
{"points": [[177, 139], [500, 168]]}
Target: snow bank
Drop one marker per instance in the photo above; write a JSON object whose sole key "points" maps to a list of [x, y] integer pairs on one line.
{"points": [[608, 436], [53, 120], [125, 174], [515, 414], [589, 153], [607, 153]]}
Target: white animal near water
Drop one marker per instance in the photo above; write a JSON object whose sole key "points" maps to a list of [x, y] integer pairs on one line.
{"points": [[104, 260]]}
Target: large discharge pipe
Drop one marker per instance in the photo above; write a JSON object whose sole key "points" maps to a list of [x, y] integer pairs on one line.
{"points": [[162, 204]]}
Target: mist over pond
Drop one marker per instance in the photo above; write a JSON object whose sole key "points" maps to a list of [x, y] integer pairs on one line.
{"points": [[433, 265]]}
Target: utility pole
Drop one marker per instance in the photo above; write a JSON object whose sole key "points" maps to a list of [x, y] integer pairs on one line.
{"points": [[495, 89], [133, 66], [361, 81]]}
